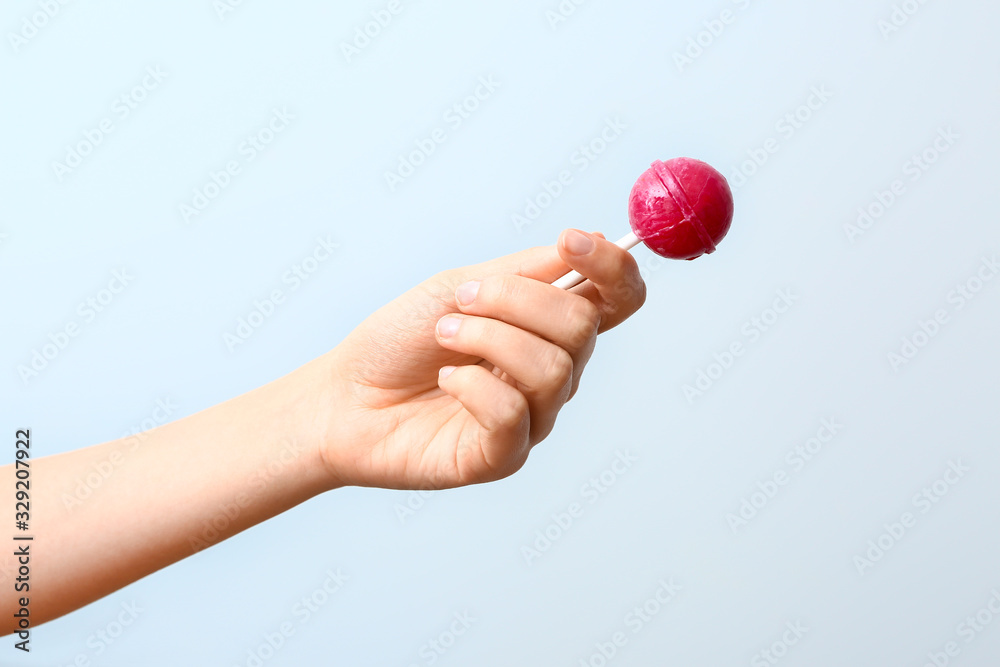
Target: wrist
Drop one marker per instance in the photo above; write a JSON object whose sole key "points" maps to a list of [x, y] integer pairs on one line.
{"points": [[306, 407]]}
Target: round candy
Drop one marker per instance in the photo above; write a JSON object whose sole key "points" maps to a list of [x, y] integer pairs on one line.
{"points": [[681, 208]]}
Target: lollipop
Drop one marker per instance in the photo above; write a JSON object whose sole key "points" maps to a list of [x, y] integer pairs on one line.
{"points": [[680, 209]]}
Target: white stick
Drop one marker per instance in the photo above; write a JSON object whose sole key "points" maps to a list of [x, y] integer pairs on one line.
{"points": [[572, 279]]}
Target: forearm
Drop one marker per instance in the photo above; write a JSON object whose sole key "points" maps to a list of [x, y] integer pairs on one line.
{"points": [[172, 492]]}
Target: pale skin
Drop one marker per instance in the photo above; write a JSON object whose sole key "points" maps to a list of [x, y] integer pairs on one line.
{"points": [[414, 398]]}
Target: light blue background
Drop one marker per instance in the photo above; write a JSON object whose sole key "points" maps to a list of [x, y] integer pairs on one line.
{"points": [[666, 517]]}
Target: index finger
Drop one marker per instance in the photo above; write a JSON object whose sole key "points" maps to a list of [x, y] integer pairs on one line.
{"points": [[615, 286]]}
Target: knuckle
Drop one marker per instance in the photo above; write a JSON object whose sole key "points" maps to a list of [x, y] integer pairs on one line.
{"points": [[636, 285], [627, 295], [448, 277], [572, 390], [640, 292], [630, 294], [559, 368], [634, 279], [517, 408], [510, 410], [584, 319]]}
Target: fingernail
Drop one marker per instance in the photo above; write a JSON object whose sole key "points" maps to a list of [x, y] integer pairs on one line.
{"points": [[446, 371], [466, 292], [577, 243], [448, 326]]}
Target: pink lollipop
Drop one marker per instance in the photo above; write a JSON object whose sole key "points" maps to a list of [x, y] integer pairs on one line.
{"points": [[681, 209]]}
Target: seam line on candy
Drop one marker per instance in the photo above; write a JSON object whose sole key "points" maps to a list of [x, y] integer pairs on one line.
{"points": [[663, 172]]}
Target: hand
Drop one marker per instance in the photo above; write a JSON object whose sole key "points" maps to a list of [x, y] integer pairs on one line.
{"points": [[454, 381]]}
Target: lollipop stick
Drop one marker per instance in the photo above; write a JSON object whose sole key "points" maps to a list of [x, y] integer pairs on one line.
{"points": [[572, 279]]}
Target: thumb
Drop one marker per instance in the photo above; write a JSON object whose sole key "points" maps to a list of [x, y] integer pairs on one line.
{"points": [[541, 263]]}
